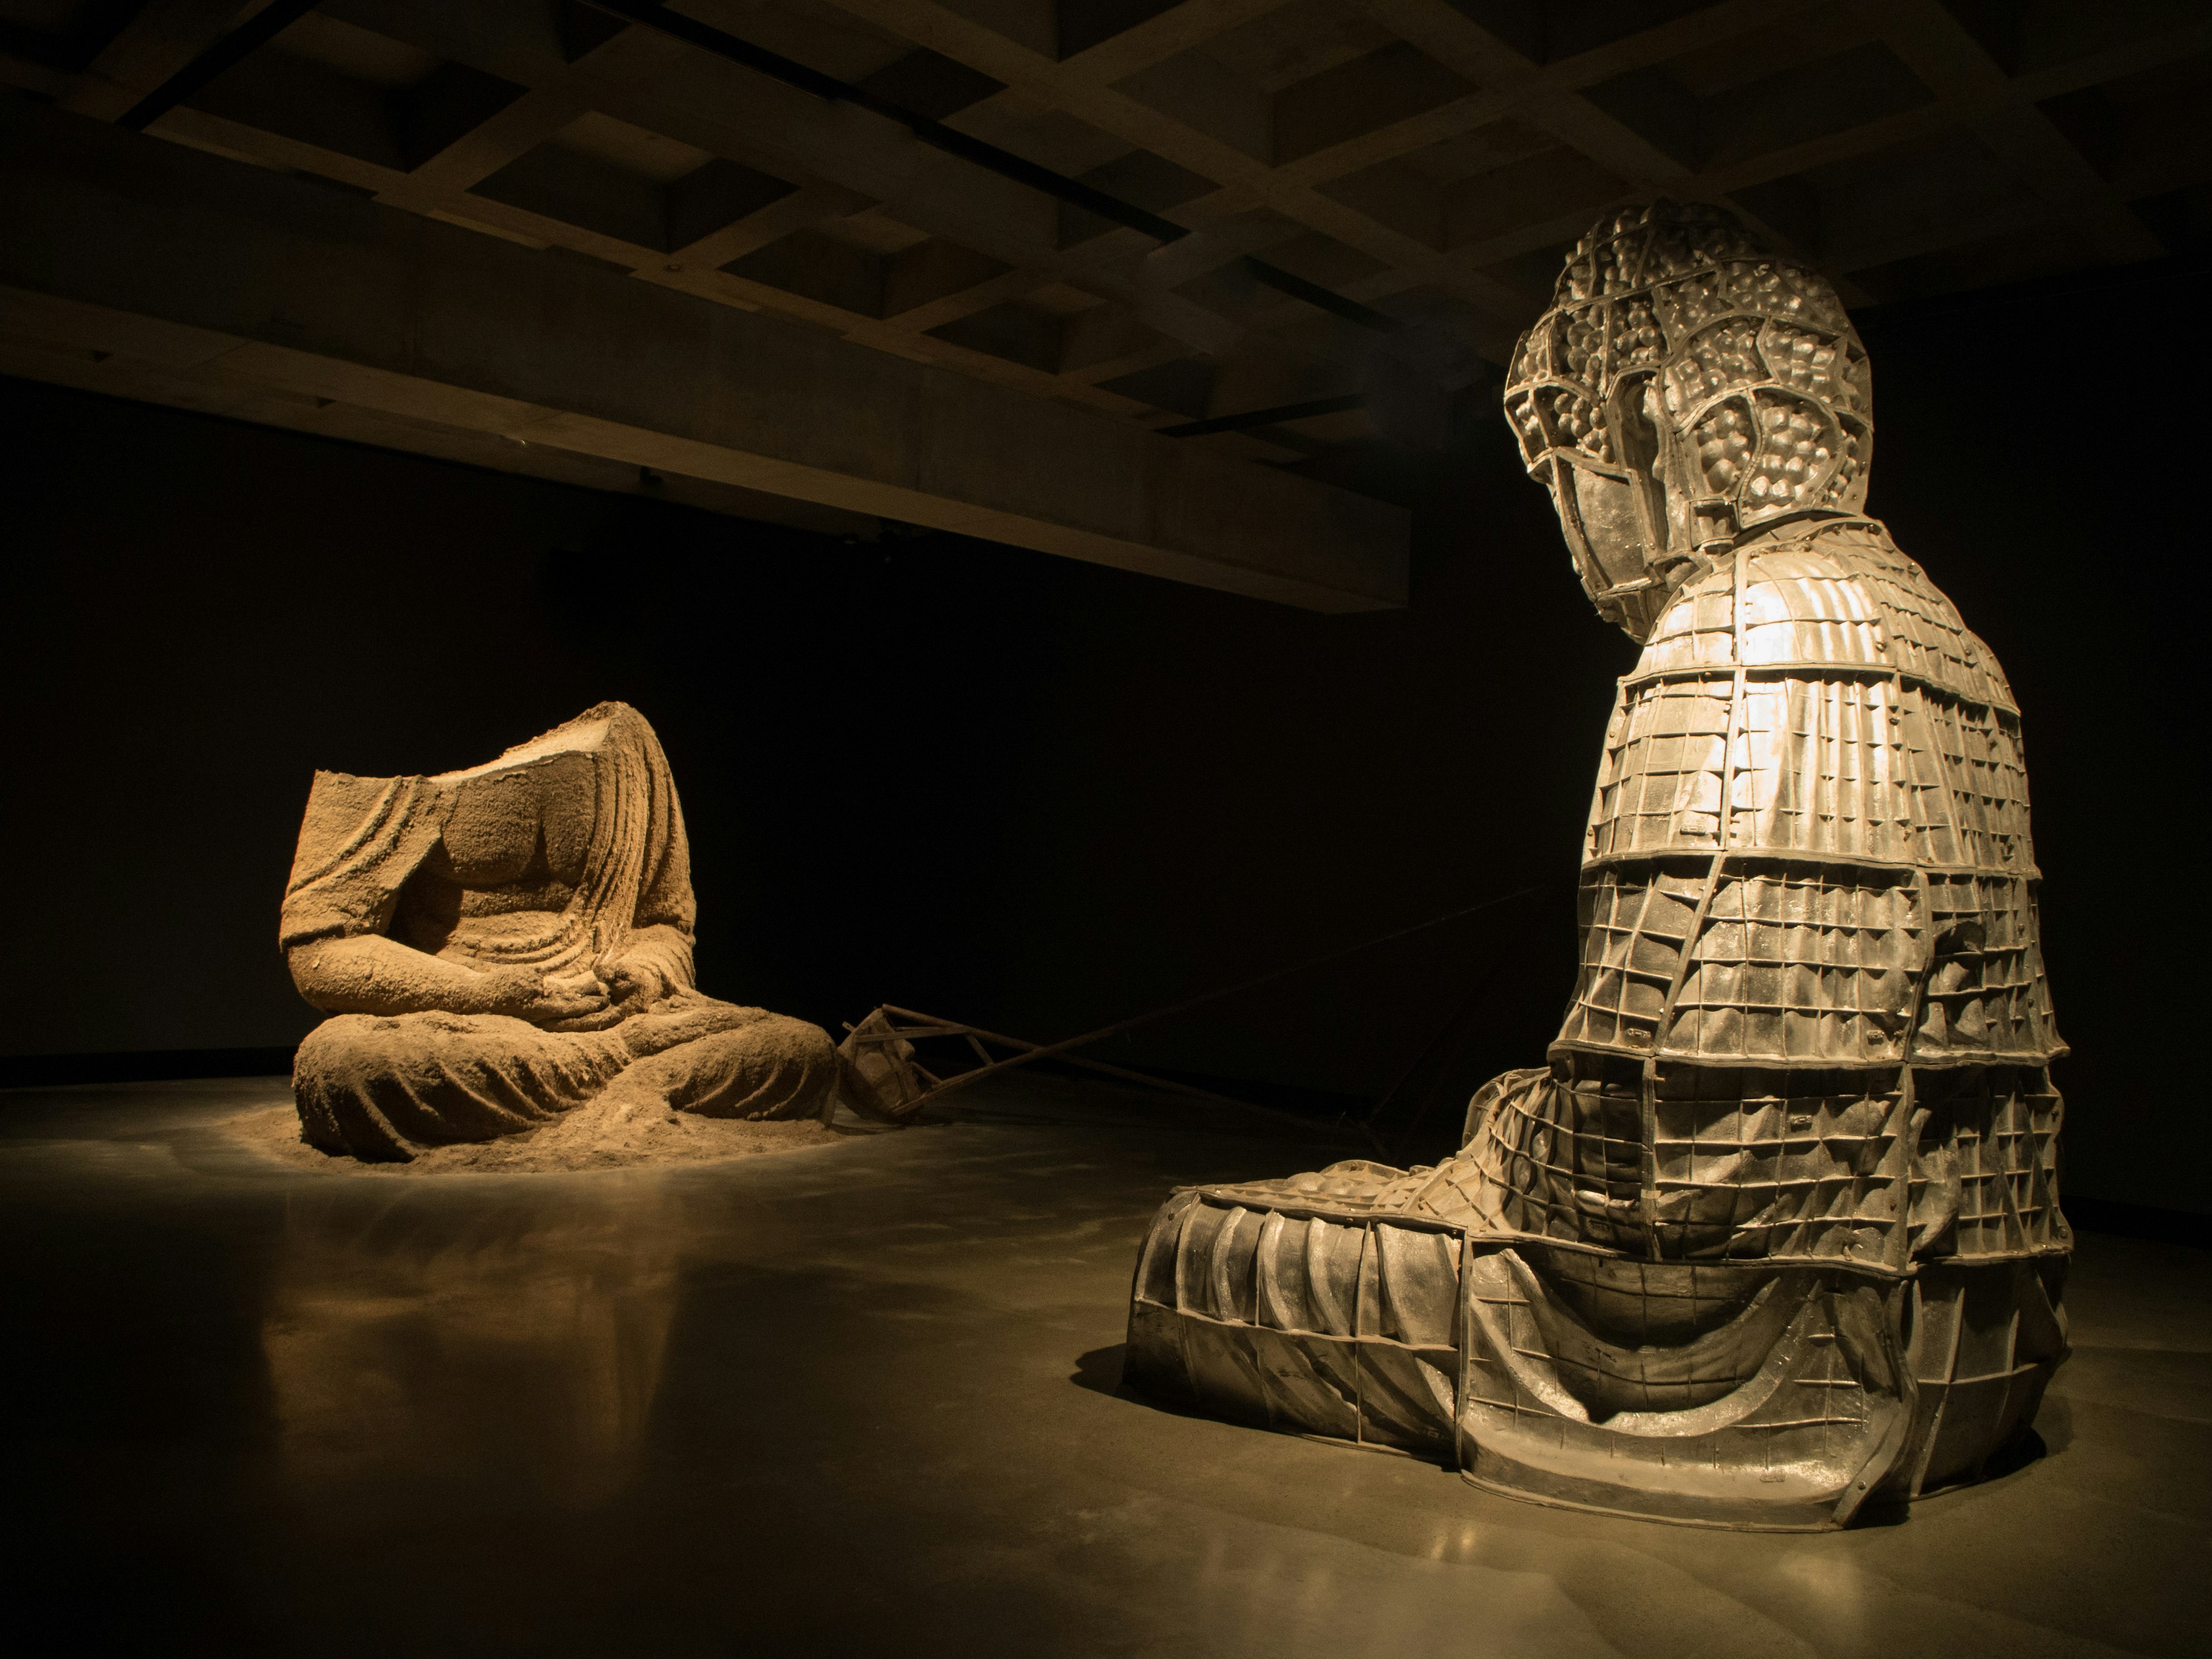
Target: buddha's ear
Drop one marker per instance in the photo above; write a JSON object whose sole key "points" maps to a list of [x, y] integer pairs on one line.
{"points": [[1640, 442], [1598, 515], [1566, 500]]}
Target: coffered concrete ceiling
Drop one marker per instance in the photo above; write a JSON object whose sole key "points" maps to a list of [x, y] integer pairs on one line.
{"points": [[1314, 174]]}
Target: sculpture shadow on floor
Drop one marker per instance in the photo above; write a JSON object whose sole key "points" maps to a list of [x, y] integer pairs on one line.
{"points": [[2013, 1458], [2024, 1452], [1105, 1371], [1100, 1370]]}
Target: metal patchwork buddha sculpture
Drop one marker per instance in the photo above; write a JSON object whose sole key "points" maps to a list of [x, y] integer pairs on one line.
{"points": [[1775, 1231]]}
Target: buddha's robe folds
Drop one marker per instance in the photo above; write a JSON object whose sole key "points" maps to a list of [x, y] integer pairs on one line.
{"points": [[378, 1085], [1778, 1227]]}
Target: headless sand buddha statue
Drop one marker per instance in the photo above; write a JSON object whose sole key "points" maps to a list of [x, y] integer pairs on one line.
{"points": [[497, 946], [1777, 1228]]}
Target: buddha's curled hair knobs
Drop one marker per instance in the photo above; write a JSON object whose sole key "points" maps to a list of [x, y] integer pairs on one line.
{"points": [[1757, 367]]}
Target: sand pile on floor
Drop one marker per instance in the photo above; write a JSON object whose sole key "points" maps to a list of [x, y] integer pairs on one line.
{"points": [[591, 1137]]}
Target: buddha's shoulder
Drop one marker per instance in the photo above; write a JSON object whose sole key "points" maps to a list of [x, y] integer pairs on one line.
{"points": [[351, 823], [1854, 549], [1836, 592], [341, 796]]}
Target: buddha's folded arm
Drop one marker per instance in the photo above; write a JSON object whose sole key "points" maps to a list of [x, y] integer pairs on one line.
{"points": [[653, 963], [369, 973], [359, 839]]}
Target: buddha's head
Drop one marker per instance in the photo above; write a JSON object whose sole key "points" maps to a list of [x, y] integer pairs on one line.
{"points": [[1686, 388]]}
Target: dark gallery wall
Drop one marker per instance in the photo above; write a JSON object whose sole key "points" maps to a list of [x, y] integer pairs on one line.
{"points": [[1025, 791], [1040, 795]]}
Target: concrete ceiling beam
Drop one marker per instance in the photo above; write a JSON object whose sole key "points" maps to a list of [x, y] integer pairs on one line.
{"points": [[123, 246], [1937, 48]]}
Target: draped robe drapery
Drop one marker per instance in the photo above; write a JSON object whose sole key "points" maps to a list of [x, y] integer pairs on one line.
{"points": [[378, 1085]]}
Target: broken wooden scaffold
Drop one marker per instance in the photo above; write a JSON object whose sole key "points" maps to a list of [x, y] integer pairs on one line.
{"points": [[881, 1048]]}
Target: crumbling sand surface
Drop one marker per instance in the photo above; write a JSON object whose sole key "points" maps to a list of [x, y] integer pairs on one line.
{"points": [[503, 945], [588, 1138]]}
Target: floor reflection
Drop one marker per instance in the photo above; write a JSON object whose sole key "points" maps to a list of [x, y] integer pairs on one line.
{"points": [[411, 1335]]}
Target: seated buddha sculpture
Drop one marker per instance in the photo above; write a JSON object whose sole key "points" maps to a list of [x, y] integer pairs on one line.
{"points": [[497, 946], [1776, 1228]]}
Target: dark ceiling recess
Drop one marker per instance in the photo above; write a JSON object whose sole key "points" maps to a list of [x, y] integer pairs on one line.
{"points": [[1416, 170], [68, 38], [233, 49], [923, 82], [1005, 163], [1252, 417]]}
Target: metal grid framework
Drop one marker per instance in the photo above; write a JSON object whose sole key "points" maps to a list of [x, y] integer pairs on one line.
{"points": [[1812, 999], [1781, 1211], [1746, 1163], [1307, 1323], [1285, 1306], [1649, 1378], [1426, 159]]}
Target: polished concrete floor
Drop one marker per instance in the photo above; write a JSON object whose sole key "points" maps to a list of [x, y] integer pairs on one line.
{"points": [[862, 1399]]}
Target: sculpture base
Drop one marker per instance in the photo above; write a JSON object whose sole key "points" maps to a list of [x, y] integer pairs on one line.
{"points": [[1801, 1392], [569, 1144]]}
